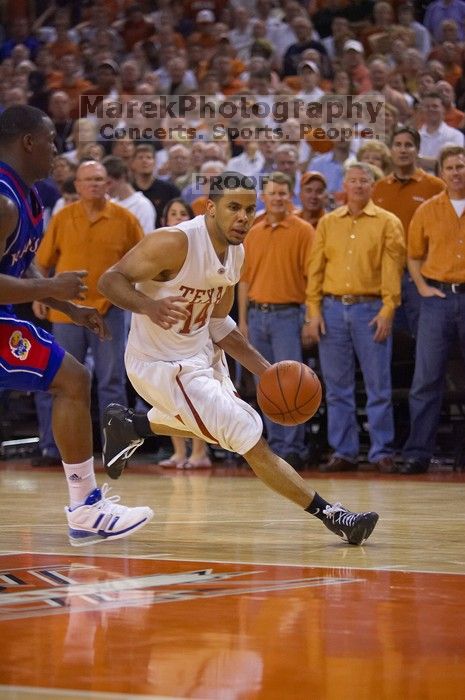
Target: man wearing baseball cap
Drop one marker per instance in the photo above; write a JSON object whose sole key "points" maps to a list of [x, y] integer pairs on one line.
{"points": [[205, 17], [313, 195], [354, 63], [309, 74]]}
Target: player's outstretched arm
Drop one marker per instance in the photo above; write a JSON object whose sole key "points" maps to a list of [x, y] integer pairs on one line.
{"points": [[14, 290], [80, 315]]}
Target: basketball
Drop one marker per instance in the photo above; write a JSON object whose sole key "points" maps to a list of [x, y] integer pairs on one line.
{"points": [[289, 392]]}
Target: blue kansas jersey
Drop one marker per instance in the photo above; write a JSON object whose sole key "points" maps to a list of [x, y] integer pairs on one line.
{"points": [[29, 356]]}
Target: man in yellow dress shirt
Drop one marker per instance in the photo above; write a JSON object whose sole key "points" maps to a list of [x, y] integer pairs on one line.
{"points": [[353, 289]]}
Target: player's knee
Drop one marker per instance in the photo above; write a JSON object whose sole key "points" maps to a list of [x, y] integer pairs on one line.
{"points": [[73, 379], [83, 381]]}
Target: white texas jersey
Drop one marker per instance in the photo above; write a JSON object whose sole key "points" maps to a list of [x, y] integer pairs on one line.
{"points": [[202, 281]]}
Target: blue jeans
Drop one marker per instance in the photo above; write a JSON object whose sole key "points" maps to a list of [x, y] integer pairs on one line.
{"points": [[277, 336], [348, 335], [408, 313], [441, 321], [108, 359]]}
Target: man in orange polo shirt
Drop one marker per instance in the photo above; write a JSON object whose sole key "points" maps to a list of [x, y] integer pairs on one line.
{"points": [[401, 193], [436, 260], [314, 196], [272, 296], [92, 234]]}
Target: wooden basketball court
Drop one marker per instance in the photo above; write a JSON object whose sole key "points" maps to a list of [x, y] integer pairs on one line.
{"points": [[232, 593]]}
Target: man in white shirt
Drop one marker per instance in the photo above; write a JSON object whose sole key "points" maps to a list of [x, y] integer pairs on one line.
{"points": [[309, 74], [124, 194], [435, 134], [241, 36], [249, 162]]}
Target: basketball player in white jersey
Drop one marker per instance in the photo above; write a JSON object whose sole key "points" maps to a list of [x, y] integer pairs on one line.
{"points": [[179, 284]]}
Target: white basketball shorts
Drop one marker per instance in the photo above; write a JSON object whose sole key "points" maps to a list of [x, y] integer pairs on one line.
{"points": [[196, 395]]}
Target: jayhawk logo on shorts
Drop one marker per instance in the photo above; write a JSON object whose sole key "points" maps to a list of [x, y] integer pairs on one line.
{"points": [[19, 346]]}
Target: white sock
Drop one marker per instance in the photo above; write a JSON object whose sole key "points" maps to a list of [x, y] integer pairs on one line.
{"points": [[81, 481]]}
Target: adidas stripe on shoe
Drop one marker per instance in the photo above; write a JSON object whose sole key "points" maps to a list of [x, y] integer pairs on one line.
{"points": [[102, 518]]}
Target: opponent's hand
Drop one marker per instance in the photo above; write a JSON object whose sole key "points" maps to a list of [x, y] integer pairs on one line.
{"points": [[68, 285], [167, 312], [40, 309], [90, 318]]}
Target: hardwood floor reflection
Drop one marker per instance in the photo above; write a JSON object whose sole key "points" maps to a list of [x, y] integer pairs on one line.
{"points": [[231, 593]]}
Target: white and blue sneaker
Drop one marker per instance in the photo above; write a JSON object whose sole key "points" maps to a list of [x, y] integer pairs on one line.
{"points": [[101, 518]]}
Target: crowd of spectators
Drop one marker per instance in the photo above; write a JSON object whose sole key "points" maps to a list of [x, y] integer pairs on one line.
{"points": [[408, 58]]}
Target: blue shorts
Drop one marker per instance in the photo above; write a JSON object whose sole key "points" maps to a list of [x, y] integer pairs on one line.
{"points": [[29, 356]]}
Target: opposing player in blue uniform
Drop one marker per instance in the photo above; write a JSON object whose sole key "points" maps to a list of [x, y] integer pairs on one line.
{"points": [[30, 359]]}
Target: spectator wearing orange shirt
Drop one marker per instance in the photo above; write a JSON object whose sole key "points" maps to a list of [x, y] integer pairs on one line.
{"points": [[353, 62], [450, 57], [272, 294], [314, 198], [106, 79], [70, 81], [135, 27], [452, 116], [436, 260], [205, 28], [228, 84], [401, 193], [62, 46], [92, 234]]}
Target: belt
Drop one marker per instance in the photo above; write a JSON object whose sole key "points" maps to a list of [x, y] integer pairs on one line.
{"points": [[349, 299], [454, 287], [271, 307]]}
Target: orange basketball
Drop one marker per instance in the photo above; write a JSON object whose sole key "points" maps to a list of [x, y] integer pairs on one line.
{"points": [[289, 392]]}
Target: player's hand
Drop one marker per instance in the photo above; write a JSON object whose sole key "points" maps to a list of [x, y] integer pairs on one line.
{"points": [[167, 312], [40, 309], [68, 285], [90, 318], [383, 328]]}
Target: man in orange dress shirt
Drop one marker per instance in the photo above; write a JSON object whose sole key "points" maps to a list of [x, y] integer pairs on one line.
{"points": [[401, 193], [436, 260], [353, 290], [272, 295]]}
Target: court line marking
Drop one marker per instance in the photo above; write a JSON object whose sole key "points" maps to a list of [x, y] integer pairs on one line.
{"points": [[86, 693], [228, 562], [56, 526]]}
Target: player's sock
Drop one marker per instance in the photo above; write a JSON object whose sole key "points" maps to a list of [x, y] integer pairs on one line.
{"points": [[142, 425], [317, 506], [81, 481]]}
